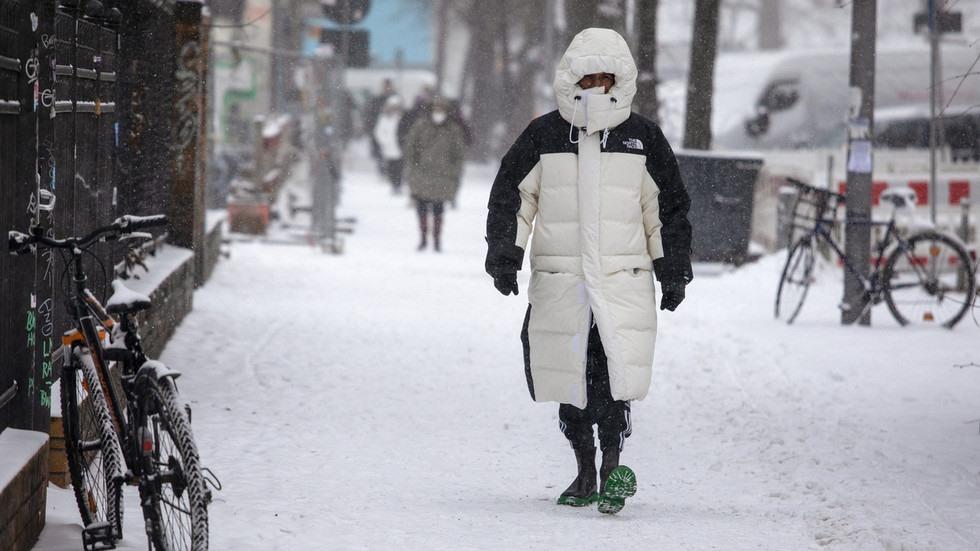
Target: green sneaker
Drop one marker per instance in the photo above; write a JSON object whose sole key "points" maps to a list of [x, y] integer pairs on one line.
{"points": [[620, 485], [576, 501]]}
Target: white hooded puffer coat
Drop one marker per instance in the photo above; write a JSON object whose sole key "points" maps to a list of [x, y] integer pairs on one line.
{"points": [[586, 180]]}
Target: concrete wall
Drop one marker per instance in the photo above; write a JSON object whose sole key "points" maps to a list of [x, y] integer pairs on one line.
{"points": [[23, 488], [170, 285]]}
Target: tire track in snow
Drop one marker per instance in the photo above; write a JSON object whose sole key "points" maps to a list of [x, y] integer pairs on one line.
{"points": [[259, 348], [766, 429]]}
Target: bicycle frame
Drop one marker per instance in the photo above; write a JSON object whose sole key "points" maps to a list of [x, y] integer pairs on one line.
{"points": [[94, 322], [869, 282]]}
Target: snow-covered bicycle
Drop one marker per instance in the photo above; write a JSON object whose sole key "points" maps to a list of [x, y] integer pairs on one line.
{"points": [[140, 436], [925, 277]]}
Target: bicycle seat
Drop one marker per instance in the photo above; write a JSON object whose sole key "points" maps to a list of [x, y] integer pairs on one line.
{"points": [[900, 197], [125, 300]]}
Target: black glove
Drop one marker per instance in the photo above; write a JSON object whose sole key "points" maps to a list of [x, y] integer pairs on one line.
{"points": [[506, 284], [673, 294]]}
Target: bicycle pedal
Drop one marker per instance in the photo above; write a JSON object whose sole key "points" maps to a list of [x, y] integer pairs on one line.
{"points": [[98, 537], [130, 479]]}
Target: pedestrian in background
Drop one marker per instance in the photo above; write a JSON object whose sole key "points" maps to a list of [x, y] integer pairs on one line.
{"points": [[434, 149], [602, 191], [420, 108], [386, 135], [372, 111]]}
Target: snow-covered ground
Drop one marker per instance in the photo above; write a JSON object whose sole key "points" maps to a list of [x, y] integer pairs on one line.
{"points": [[376, 400]]}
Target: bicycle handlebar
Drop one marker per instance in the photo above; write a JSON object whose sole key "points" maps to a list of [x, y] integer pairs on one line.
{"points": [[19, 242], [821, 191], [129, 223]]}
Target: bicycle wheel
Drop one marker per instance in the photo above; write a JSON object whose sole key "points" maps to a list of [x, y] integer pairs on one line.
{"points": [[173, 491], [795, 281], [95, 457], [929, 281]]}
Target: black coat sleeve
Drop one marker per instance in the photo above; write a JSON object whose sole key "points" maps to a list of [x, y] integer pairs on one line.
{"points": [[675, 266], [503, 254]]}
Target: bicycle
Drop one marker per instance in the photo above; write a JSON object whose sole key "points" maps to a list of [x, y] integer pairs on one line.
{"points": [[140, 436], [975, 303], [925, 279]]}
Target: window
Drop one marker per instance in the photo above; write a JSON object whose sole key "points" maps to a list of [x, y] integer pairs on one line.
{"points": [[780, 95]]}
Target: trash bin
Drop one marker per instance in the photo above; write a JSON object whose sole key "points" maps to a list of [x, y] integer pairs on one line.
{"points": [[722, 189]]}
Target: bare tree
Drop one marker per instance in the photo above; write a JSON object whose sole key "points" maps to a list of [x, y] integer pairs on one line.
{"points": [[579, 14], [611, 14], [442, 15], [582, 14], [528, 62], [646, 57], [480, 72], [700, 80]]}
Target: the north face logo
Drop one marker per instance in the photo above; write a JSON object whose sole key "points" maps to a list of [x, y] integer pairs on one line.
{"points": [[633, 143]]}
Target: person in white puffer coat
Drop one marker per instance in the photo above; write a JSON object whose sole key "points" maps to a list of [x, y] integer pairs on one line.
{"points": [[386, 136], [601, 189]]}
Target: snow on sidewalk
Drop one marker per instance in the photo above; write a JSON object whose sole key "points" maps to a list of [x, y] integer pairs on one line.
{"points": [[376, 400]]}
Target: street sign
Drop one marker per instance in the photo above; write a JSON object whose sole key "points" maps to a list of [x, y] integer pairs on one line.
{"points": [[947, 22], [345, 12]]}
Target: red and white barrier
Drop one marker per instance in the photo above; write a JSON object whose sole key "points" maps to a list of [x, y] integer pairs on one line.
{"points": [[952, 190]]}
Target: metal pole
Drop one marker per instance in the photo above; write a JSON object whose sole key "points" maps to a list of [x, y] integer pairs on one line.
{"points": [[857, 244], [280, 14], [964, 234], [830, 172], [933, 87]]}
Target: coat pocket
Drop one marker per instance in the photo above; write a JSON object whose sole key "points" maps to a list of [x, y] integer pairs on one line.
{"points": [[631, 292], [559, 303]]}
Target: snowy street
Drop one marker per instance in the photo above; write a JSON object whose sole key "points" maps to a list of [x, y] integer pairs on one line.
{"points": [[377, 400]]}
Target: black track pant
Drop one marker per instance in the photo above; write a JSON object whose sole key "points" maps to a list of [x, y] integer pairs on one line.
{"points": [[612, 416]]}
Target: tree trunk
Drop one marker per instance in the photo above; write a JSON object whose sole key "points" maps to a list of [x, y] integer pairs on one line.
{"points": [[611, 14], [504, 63], [483, 75], [442, 15], [700, 80], [582, 14], [579, 14], [529, 61], [770, 25], [646, 59]]}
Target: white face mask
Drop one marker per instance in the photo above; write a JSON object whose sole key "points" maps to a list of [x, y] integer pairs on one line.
{"points": [[597, 90], [438, 117]]}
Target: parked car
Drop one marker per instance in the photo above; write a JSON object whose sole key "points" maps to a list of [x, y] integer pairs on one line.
{"points": [[908, 128], [802, 97]]}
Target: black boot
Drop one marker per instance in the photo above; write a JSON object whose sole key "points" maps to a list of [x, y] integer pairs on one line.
{"points": [[610, 460], [437, 232], [618, 482], [582, 490]]}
